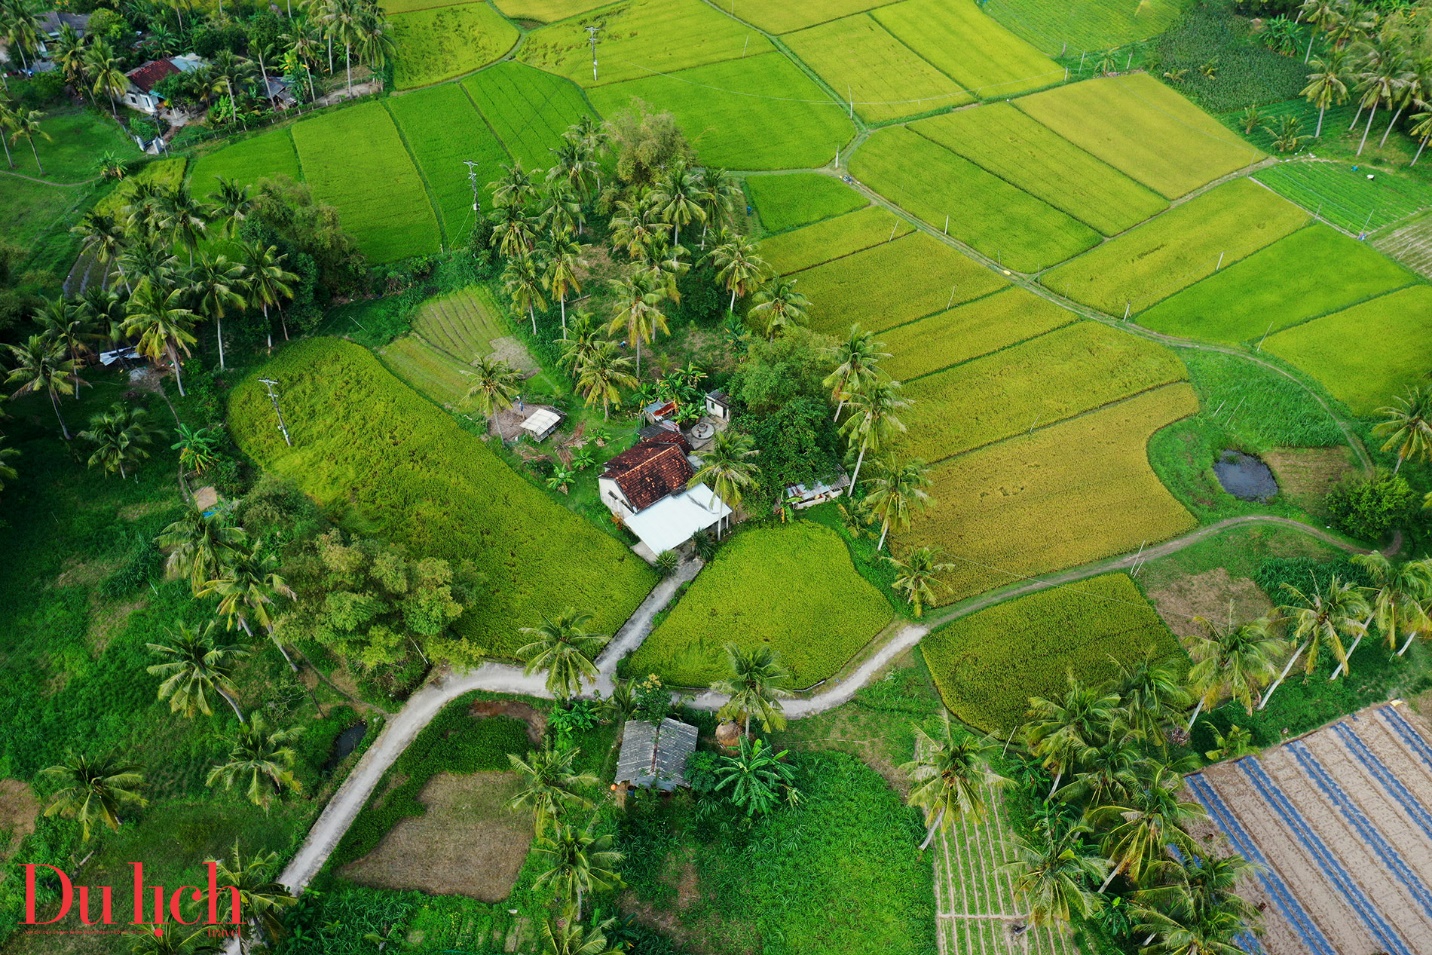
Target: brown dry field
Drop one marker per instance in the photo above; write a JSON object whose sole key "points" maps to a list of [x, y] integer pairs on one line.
{"points": [[1208, 595], [1306, 475], [18, 810], [467, 843]]}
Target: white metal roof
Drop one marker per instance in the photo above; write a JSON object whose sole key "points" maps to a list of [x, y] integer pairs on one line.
{"points": [[672, 521], [541, 422]]}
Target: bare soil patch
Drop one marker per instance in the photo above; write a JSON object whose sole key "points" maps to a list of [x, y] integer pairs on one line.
{"points": [[86, 573], [19, 808], [1306, 475], [1208, 595], [467, 843], [535, 719], [134, 512]]}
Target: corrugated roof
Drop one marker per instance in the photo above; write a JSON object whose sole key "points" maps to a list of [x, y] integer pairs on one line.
{"points": [[652, 469], [146, 76], [655, 756]]}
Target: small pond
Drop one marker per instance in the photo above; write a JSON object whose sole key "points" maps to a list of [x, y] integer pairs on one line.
{"points": [[1245, 477], [346, 743]]}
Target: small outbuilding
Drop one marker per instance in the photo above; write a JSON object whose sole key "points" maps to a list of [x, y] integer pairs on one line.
{"points": [[718, 406], [654, 756], [542, 422]]}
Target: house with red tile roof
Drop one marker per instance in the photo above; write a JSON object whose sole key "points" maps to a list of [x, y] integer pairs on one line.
{"points": [[648, 490]]}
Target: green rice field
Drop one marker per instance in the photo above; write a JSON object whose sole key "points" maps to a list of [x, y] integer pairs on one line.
{"points": [[442, 130], [1025, 153], [386, 208], [528, 110], [408, 6], [892, 283], [1349, 200], [1038, 382], [832, 239], [1000, 220], [265, 156], [756, 112], [964, 43], [987, 665], [1076, 26], [462, 323], [427, 370], [1312, 272], [546, 11], [884, 77], [797, 199], [1175, 250], [1143, 129], [443, 42], [798, 14], [641, 38], [985, 325], [1368, 353], [770, 586]]}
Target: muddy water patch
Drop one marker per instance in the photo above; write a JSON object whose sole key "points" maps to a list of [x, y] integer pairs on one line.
{"points": [[1245, 477]]}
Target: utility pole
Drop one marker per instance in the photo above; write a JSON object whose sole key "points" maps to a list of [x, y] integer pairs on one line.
{"points": [[472, 178], [592, 36], [269, 384]]}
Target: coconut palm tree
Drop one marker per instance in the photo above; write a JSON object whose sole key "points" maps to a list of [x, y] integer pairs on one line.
{"points": [[1400, 597], [637, 309], [1053, 876], [230, 204], [1407, 425], [62, 320], [917, 576], [636, 227], [1151, 693], [247, 584], [20, 28], [578, 862], [495, 384], [1108, 774], [68, 52], [121, 437], [549, 781], [261, 897], [738, 268], [568, 936], [229, 69], [677, 198], [194, 666], [266, 282], [103, 312], [106, 73], [778, 306], [260, 759], [199, 546], [514, 188], [563, 255], [1319, 14], [143, 941], [7, 119], [522, 280], [512, 231], [7, 470], [1143, 827], [165, 327], [873, 419], [104, 238], [1421, 130], [40, 365], [1234, 660], [215, 285], [1327, 85], [857, 364], [145, 255], [565, 649], [1381, 79], [93, 790], [1191, 907], [1063, 733], [720, 193], [896, 492], [574, 167], [601, 374], [949, 776], [727, 463], [756, 686], [561, 210], [1323, 618], [26, 122]]}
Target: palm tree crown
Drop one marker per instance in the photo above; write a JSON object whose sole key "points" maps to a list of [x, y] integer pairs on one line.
{"points": [[565, 649]]}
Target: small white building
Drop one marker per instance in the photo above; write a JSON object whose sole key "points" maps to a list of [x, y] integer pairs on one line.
{"points": [[647, 490], [142, 79]]}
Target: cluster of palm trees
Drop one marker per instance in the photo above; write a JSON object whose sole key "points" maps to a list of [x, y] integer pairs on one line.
{"points": [[17, 122], [1383, 60]]}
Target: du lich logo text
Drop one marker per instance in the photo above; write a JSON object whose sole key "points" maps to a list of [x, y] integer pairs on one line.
{"points": [[93, 907]]}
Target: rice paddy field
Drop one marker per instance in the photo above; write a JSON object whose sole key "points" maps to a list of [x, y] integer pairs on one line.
{"points": [[1143, 129], [546, 11], [1171, 252], [528, 110], [1025, 153], [884, 78], [754, 112], [1057, 497], [771, 586], [1357, 202], [1036, 383], [1084, 25], [386, 208], [1312, 272], [1368, 353], [832, 238], [985, 325], [443, 42], [892, 283], [797, 199], [427, 370], [997, 219], [964, 43], [798, 14], [463, 324], [265, 156], [408, 6], [641, 38], [989, 664], [442, 130]]}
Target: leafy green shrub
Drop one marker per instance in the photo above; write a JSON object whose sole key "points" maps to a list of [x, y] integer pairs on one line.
{"points": [[1369, 508], [668, 562], [1248, 72], [566, 721]]}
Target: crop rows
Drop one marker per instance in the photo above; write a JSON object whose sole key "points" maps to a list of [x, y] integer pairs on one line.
{"points": [[265, 156], [968, 46], [1355, 201], [463, 324], [384, 207], [987, 665], [998, 219], [1058, 497], [442, 42], [1088, 25], [832, 239], [528, 109], [1393, 334], [800, 198], [885, 78], [427, 369], [1039, 382], [753, 112], [968, 331], [892, 283], [1175, 250], [1144, 129], [1410, 244], [1312, 272], [1027, 154]]}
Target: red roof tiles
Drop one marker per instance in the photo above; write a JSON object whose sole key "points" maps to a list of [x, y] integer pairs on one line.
{"points": [[651, 469], [146, 76]]}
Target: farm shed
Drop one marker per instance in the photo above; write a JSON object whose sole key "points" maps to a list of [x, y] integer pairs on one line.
{"points": [[801, 496], [655, 756], [542, 422]]}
